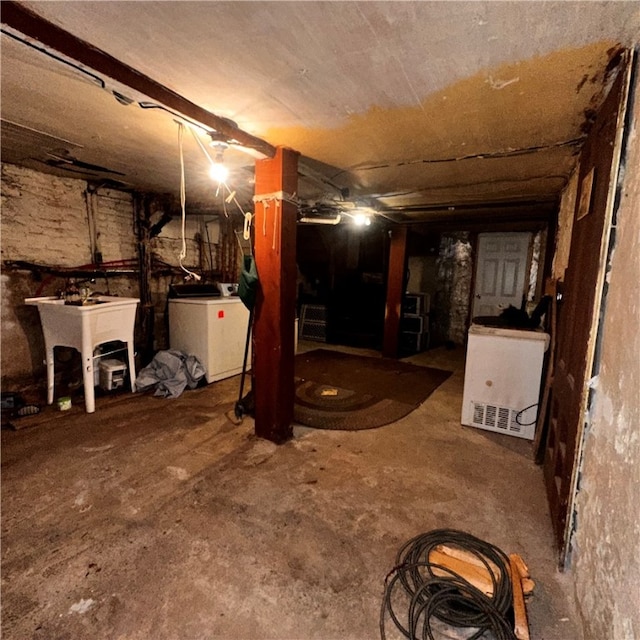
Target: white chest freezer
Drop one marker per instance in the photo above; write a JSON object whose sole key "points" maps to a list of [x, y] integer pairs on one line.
{"points": [[212, 329], [502, 378]]}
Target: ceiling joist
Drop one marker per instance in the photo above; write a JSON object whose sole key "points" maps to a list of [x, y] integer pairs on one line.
{"points": [[30, 24]]}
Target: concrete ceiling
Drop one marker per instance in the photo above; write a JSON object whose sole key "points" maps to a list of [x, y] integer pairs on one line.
{"points": [[410, 105]]}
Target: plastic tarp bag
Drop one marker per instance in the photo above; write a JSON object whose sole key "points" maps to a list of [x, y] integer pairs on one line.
{"points": [[248, 284], [170, 372]]}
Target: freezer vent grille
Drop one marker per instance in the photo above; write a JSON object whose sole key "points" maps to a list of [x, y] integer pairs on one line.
{"points": [[495, 417]]}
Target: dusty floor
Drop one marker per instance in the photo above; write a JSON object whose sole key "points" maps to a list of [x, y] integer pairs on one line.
{"points": [[160, 519]]}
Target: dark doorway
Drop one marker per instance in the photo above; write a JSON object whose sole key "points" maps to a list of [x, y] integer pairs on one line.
{"points": [[343, 268]]}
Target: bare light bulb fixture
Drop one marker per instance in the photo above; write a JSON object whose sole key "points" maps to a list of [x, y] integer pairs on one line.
{"points": [[361, 220], [218, 171]]}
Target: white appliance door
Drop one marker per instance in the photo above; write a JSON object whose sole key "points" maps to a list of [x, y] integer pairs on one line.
{"points": [[214, 330], [227, 336], [502, 380]]}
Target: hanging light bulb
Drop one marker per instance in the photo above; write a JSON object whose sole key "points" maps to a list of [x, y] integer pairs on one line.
{"points": [[361, 220], [218, 171]]}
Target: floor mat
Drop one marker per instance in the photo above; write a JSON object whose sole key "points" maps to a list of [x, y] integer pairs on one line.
{"points": [[337, 390]]}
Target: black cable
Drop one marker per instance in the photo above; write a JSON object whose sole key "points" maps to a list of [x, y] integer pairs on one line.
{"points": [[525, 424], [175, 114], [122, 99], [509, 153], [437, 592], [99, 81]]}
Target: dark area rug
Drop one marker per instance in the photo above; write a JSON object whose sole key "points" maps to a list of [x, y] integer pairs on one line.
{"points": [[337, 390]]}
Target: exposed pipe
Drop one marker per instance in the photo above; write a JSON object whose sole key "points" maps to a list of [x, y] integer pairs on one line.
{"points": [[335, 220], [90, 199]]}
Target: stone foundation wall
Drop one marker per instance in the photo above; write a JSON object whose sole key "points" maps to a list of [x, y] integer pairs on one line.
{"points": [[63, 222]]}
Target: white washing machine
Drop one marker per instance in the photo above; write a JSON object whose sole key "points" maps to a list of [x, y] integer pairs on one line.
{"points": [[212, 329], [502, 378]]}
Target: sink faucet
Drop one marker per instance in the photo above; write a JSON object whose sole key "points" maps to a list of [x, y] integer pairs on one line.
{"points": [[78, 292], [71, 292]]}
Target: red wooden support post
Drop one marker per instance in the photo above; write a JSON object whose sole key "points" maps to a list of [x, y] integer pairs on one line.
{"points": [[275, 255], [395, 291]]}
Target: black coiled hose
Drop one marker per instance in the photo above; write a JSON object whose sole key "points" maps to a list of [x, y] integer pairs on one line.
{"points": [[448, 597]]}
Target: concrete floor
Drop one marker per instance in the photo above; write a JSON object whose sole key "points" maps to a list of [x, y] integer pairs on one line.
{"points": [[160, 519]]}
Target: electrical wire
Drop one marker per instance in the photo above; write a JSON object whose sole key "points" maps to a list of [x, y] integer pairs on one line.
{"points": [[206, 153], [183, 200], [99, 81], [242, 248], [206, 229], [146, 105], [526, 424], [228, 197], [437, 593], [487, 155], [175, 114], [231, 197], [221, 183]]}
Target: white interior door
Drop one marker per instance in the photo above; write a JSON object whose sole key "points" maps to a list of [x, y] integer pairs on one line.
{"points": [[501, 268]]}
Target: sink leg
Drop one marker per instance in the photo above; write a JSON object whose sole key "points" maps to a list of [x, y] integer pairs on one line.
{"points": [[50, 374], [87, 375], [132, 365]]}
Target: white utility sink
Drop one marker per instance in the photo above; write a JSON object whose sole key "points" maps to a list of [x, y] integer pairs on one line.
{"points": [[84, 327]]}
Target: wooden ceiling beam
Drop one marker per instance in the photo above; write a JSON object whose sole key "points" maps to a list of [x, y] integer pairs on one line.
{"points": [[30, 24], [474, 214], [476, 226]]}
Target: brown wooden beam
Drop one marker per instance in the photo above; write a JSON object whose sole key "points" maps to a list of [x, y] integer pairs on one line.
{"points": [[18, 17], [473, 214], [273, 334], [395, 291]]}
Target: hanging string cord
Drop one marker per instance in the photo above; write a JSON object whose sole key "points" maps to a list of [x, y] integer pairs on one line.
{"points": [[231, 194], [248, 216], [277, 198], [210, 159], [232, 198], [437, 592], [242, 247], [224, 208], [202, 147], [183, 200], [291, 198]]}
